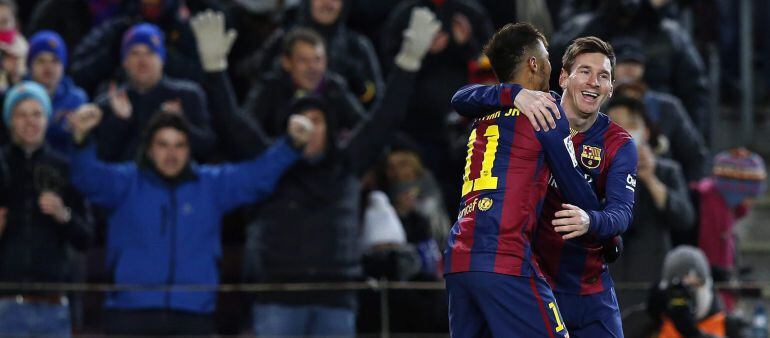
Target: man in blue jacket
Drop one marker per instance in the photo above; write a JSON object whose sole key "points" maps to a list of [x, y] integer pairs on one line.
{"points": [[164, 217], [47, 63]]}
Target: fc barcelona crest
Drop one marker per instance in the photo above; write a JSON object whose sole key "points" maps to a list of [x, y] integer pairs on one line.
{"points": [[591, 157]]}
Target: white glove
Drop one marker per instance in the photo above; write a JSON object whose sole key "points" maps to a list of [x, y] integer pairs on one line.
{"points": [[418, 37], [212, 40]]}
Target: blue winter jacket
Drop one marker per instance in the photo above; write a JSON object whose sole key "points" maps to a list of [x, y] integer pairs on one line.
{"points": [[164, 234]]}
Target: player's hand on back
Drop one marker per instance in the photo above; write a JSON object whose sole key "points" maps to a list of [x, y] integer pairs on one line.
{"points": [[535, 106], [572, 221]]}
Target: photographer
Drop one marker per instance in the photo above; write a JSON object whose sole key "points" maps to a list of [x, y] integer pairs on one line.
{"points": [[683, 304]]}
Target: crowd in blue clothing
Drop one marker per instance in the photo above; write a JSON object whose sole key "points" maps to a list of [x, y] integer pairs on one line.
{"points": [[131, 127]]}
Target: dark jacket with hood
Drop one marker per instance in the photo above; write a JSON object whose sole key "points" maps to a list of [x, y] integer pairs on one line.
{"points": [[673, 64], [308, 230], [166, 231], [33, 246], [271, 96], [349, 54], [96, 58], [442, 73], [119, 139]]}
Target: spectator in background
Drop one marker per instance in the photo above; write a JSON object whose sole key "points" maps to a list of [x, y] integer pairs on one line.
{"points": [[97, 56], [164, 218], [42, 218], [722, 199], [46, 61], [13, 47], [59, 16], [686, 144], [682, 303], [503, 12], [317, 202], [349, 54], [662, 203], [129, 106], [673, 64], [465, 28], [418, 201], [304, 72]]}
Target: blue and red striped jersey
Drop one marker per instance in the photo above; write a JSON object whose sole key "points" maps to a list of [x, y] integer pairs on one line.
{"points": [[504, 184], [608, 156]]}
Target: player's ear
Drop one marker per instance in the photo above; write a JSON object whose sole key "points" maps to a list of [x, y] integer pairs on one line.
{"points": [[532, 64], [563, 79], [612, 89]]}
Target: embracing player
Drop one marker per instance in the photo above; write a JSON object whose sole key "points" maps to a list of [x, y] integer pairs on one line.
{"points": [[573, 262], [495, 288]]}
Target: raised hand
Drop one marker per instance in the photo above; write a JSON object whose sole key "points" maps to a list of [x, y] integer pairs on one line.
{"points": [[418, 38], [119, 102], [461, 29], [300, 129], [213, 42], [83, 120]]}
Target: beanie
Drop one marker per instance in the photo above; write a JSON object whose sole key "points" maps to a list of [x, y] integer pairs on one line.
{"points": [[739, 174], [144, 33], [47, 41], [381, 224], [25, 90], [684, 260]]}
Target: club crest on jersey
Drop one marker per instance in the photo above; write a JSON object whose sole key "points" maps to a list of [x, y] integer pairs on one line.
{"points": [[485, 204], [591, 157]]}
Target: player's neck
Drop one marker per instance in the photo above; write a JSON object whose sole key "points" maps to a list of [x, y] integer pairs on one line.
{"points": [[526, 81], [579, 121]]}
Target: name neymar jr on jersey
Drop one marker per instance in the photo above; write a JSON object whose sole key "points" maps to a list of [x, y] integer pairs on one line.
{"points": [[508, 113]]}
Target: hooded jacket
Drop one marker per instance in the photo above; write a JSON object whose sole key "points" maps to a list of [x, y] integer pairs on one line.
{"points": [[349, 54], [308, 230], [166, 232], [269, 100]]}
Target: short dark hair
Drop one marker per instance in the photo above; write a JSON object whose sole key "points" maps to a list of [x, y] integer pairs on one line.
{"points": [[587, 44], [296, 35], [507, 47], [159, 121]]}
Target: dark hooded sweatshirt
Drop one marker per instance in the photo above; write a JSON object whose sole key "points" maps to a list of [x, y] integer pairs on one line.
{"points": [[308, 230]]}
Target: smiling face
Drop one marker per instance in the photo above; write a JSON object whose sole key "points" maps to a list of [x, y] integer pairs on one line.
{"points": [[28, 124], [588, 84]]}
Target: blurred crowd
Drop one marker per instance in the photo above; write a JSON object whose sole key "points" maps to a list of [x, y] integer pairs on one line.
{"points": [[155, 142]]}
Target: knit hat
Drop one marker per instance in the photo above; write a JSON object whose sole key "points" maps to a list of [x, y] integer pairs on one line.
{"points": [[144, 33], [684, 260], [381, 223], [739, 174], [47, 41], [25, 90], [14, 43]]}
